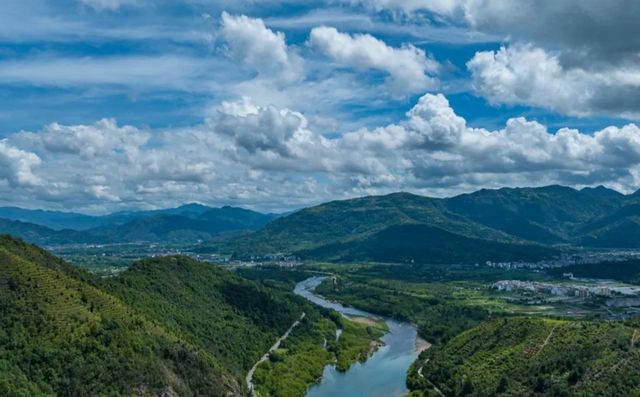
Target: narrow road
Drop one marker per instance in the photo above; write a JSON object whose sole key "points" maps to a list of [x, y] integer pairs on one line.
{"points": [[546, 341], [433, 386], [265, 357]]}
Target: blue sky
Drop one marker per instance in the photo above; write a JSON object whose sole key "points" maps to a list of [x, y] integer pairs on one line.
{"points": [[117, 104]]}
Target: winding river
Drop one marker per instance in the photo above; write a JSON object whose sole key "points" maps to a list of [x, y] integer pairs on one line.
{"points": [[383, 374]]}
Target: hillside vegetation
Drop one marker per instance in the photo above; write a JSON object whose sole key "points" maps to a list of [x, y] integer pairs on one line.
{"points": [[498, 225], [234, 319], [168, 327], [399, 227], [60, 335], [533, 356]]}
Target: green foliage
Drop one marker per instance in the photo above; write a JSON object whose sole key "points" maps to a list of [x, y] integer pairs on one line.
{"points": [[396, 228], [275, 276], [235, 319], [435, 309], [534, 356], [310, 348], [60, 335], [165, 325], [548, 214]]}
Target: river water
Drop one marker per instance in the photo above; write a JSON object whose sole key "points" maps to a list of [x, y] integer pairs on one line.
{"points": [[383, 374]]}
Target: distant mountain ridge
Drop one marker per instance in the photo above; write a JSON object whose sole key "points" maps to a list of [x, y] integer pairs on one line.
{"points": [[502, 224], [187, 223]]}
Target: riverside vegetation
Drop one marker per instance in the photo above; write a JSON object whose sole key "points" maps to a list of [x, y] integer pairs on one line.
{"points": [[482, 346]]}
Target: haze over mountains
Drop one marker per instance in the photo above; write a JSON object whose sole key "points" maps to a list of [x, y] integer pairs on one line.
{"points": [[503, 224]]}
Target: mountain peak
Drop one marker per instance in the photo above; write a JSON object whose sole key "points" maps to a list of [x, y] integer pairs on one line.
{"points": [[601, 191], [194, 205]]}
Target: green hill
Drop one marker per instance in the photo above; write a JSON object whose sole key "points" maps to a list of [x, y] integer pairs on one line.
{"points": [[620, 229], [234, 319], [546, 215], [396, 228], [167, 327], [61, 335], [40, 234], [527, 356], [418, 243]]}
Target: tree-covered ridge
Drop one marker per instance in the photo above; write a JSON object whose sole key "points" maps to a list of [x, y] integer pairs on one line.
{"points": [[236, 320], [503, 224], [167, 326], [533, 356], [371, 228], [60, 335], [548, 214]]}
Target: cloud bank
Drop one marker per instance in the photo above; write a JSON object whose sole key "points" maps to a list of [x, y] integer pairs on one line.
{"points": [[270, 158]]}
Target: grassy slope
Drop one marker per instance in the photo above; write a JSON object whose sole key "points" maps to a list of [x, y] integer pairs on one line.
{"points": [[60, 335]]}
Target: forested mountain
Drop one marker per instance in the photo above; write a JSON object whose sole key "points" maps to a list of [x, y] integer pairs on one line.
{"points": [[61, 335], [40, 234], [168, 326], [618, 229], [503, 224], [396, 227], [56, 220], [234, 319], [533, 356], [549, 214]]}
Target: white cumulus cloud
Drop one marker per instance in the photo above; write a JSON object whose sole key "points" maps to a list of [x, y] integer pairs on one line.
{"points": [[256, 46], [16, 166], [409, 68], [264, 156], [523, 74]]}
